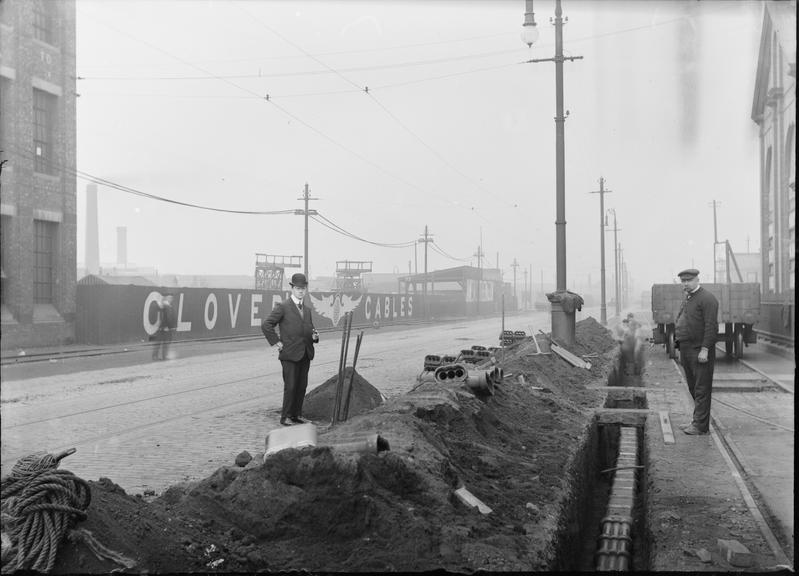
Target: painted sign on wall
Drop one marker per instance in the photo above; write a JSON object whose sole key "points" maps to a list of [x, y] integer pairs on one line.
{"points": [[112, 313]]}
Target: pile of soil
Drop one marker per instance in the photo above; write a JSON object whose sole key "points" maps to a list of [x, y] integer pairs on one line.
{"points": [[318, 509], [319, 402]]}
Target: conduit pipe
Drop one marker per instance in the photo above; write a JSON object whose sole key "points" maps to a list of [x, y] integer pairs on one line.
{"points": [[372, 444], [451, 373], [480, 382], [615, 542]]}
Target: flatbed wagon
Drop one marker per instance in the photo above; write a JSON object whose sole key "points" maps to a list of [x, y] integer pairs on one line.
{"points": [[739, 311]]}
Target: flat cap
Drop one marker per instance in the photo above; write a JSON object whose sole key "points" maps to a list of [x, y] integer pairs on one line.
{"points": [[689, 273], [299, 280]]}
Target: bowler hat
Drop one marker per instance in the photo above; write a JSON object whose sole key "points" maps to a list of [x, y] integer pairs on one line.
{"points": [[689, 273], [299, 280]]}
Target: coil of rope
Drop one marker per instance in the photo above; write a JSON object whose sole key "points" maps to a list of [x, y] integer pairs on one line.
{"points": [[39, 504]]}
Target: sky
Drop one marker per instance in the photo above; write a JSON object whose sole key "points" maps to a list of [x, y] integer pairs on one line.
{"points": [[402, 115]]}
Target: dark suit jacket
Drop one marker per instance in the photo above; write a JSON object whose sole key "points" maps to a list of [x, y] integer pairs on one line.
{"points": [[293, 329]]}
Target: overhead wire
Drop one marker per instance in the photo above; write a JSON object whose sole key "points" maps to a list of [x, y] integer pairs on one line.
{"points": [[327, 223], [355, 85], [319, 218], [133, 191], [441, 251], [325, 136], [382, 106], [327, 70], [287, 113], [366, 50]]}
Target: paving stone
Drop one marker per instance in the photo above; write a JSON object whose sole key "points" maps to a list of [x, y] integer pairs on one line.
{"points": [[736, 553], [704, 555]]}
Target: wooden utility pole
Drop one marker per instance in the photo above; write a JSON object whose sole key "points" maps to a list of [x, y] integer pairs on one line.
{"points": [[602, 192], [426, 239], [306, 197], [515, 297], [526, 291], [479, 271], [616, 260]]}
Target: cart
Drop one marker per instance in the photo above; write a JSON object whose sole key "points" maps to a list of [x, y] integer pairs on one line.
{"points": [[739, 311]]}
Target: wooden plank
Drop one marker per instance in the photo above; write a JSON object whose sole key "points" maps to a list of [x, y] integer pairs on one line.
{"points": [[471, 500], [627, 416], [569, 357], [665, 426]]}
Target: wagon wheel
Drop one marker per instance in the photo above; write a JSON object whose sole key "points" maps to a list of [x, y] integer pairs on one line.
{"points": [[738, 343], [671, 346], [728, 339]]}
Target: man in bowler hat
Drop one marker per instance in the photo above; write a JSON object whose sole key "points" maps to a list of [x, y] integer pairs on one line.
{"points": [[696, 331], [290, 326]]}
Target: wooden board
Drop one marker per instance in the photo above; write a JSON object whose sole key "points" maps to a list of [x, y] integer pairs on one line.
{"points": [[665, 426], [471, 500]]}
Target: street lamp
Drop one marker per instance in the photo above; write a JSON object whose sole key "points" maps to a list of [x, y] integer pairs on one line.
{"points": [[529, 29], [563, 302]]}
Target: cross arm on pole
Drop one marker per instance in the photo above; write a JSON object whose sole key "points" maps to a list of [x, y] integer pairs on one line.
{"points": [[553, 59]]}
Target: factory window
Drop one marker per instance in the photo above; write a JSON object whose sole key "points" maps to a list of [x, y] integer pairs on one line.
{"points": [[44, 105], [44, 261], [43, 20]]}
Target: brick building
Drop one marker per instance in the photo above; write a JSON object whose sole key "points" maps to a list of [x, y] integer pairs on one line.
{"points": [[38, 183]]}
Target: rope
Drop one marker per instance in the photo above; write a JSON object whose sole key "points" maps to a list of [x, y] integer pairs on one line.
{"points": [[39, 504]]}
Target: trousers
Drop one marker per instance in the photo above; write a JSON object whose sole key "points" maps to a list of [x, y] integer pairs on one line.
{"points": [[161, 348], [295, 381], [700, 382]]}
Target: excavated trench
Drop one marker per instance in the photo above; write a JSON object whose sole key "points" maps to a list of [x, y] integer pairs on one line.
{"points": [[607, 527]]}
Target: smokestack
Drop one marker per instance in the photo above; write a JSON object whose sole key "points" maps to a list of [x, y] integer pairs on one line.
{"points": [[122, 247], [92, 241]]}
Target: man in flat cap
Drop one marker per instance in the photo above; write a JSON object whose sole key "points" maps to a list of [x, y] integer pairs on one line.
{"points": [[295, 337], [696, 332]]}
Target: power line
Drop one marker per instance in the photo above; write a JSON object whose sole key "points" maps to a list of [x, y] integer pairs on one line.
{"points": [[129, 190], [367, 50], [328, 70], [336, 228], [441, 251], [374, 99]]}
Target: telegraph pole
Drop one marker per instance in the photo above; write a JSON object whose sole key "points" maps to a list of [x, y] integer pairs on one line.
{"points": [[426, 239], [479, 272], [526, 291], [616, 259], [306, 197], [602, 192], [515, 297], [715, 240]]}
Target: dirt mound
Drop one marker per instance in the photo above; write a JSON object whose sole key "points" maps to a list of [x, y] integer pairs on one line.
{"points": [[319, 509], [319, 402]]}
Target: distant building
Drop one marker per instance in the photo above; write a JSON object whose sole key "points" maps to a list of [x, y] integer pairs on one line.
{"points": [[38, 183], [774, 111]]}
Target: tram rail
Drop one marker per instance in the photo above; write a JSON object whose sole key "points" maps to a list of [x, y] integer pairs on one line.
{"points": [[742, 377]]}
